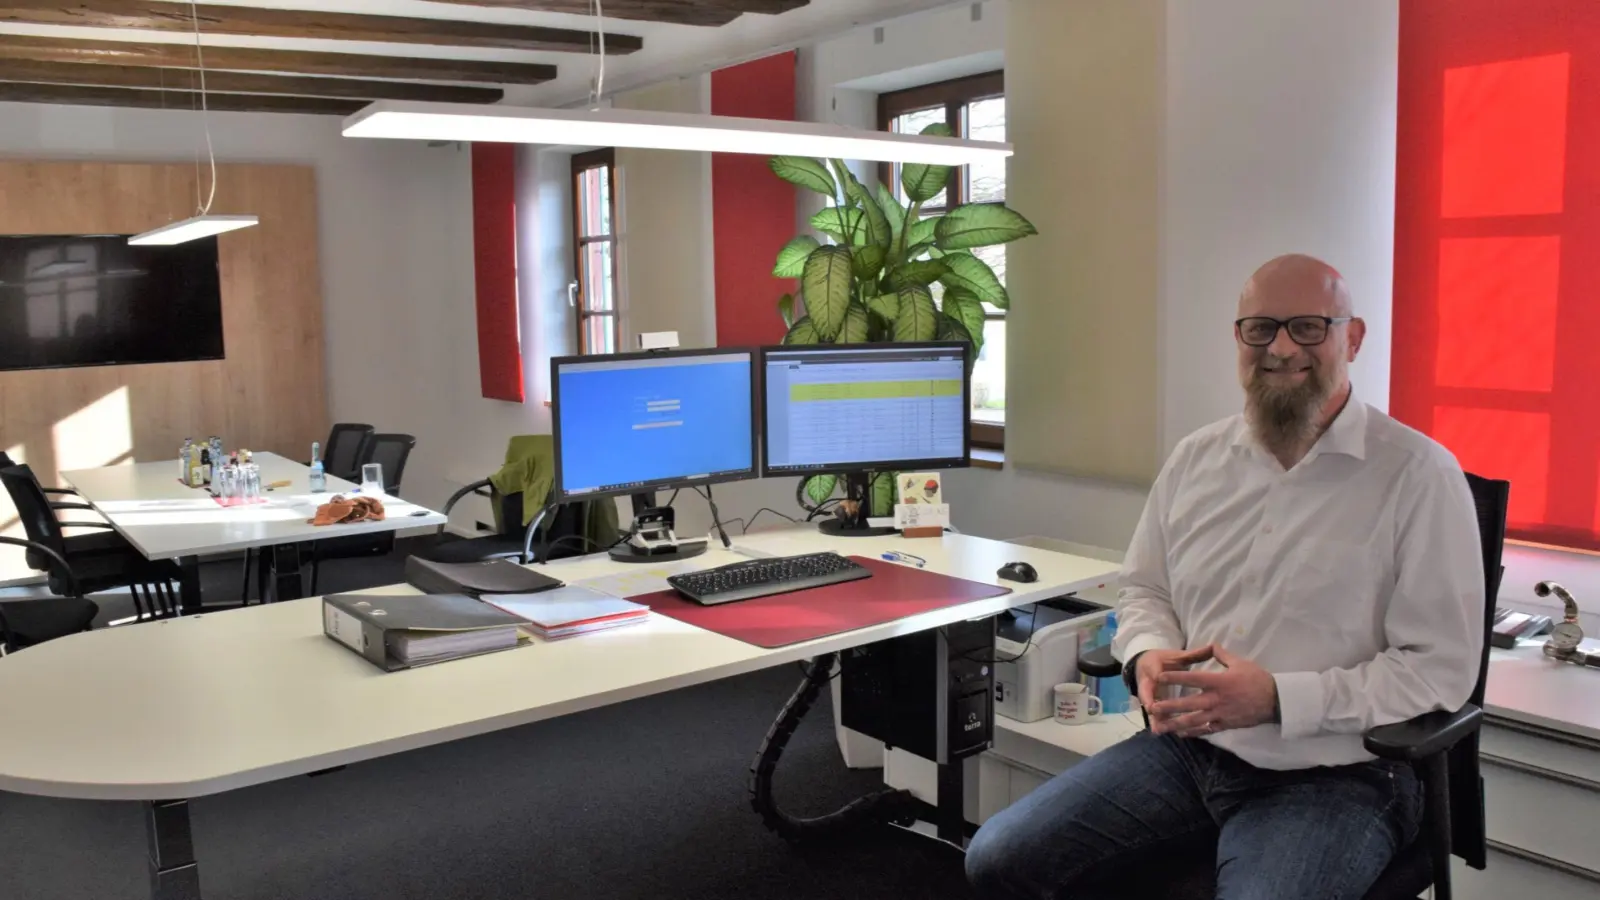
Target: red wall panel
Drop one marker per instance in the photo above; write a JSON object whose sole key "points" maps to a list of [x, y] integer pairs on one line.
{"points": [[753, 211], [1497, 249], [494, 246]]}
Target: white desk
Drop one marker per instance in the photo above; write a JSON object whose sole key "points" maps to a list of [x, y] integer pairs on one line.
{"points": [[194, 706], [165, 519]]}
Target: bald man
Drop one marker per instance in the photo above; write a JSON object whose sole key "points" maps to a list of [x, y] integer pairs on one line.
{"points": [[1302, 572]]}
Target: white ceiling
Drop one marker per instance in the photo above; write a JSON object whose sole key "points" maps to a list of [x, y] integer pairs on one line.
{"points": [[669, 50]]}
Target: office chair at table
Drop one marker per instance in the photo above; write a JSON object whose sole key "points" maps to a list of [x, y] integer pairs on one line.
{"points": [[26, 623], [341, 455], [98, 562], [1441, 746], [6, 462], [390, 451]]}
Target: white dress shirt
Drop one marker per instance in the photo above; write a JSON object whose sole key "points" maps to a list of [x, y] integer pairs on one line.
{"points": [[1356, 578]]}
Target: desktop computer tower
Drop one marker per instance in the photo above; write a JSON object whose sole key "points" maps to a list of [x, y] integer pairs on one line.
{"points": [[930, 694]]}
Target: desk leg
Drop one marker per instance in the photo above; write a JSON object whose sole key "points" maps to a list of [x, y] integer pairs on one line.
{"points": [[287, 580], [174, 874], [188, 585]]}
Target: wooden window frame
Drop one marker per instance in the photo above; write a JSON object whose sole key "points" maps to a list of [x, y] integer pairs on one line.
{"points": [[953, 95], [582, 163]]}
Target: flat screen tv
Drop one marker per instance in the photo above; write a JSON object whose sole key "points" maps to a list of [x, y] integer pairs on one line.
{"points": [[93, 300]]}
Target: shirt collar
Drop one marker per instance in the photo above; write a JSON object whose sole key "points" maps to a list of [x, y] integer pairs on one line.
{"points": [[1347, 434]]}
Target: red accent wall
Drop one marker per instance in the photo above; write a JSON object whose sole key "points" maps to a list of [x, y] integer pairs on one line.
{"points": [[1497, 249], [753, 211], [494, 245]]}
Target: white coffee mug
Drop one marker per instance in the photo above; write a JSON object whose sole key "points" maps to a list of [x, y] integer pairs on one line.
{"points": [[1075, 705]]}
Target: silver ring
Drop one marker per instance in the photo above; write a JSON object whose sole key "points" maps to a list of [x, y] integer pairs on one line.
{"points": [[1211, 728]]}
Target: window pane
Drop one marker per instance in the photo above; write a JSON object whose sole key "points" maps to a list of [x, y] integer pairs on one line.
{"points": [[986, 121], [989, 375], [598, 293], [594, 201], [913, 123], [599, 335], [996, 258]]}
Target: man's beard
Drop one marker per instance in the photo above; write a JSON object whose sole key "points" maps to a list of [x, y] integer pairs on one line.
{"points": [[1284, 417]]}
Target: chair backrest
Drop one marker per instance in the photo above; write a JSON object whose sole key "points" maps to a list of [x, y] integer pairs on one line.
{"points": [[389, 451], [342, 455], [33, 509], [1468, 824], [6, 461]]}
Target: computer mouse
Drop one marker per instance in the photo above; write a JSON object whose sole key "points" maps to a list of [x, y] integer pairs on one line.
{"points": [[1018, 571]]}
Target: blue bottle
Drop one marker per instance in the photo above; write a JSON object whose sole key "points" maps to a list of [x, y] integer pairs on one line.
{"points": [[1113, 693]]}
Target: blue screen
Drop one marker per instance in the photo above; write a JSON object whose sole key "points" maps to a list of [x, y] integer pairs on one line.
{"points": [[629, 423]]}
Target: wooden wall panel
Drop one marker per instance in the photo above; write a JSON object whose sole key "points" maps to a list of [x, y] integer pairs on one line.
{"points": [[267, 394]]}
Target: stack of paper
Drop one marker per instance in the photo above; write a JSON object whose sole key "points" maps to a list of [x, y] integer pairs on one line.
{"points": [[570, 610], [419, 648]]}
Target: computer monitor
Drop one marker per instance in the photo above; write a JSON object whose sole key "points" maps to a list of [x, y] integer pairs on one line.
{"points": [[636, 422], [855, 408]]}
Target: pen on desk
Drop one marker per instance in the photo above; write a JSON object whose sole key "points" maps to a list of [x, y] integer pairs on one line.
{"points": [[897, 556]]}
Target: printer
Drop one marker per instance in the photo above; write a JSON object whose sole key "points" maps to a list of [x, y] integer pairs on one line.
{"points": [[1035, 649]]}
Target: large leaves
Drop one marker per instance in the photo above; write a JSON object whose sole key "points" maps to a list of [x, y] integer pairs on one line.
{"points": [[951, 330], [883, 494], [786, 310], [802, 333], [868, 262], [967, 309], [819, 488], [886, 306], [924, 182], [878, 230], [826, 282], [973, 275], [922, 271], [856, 325], [792, 258], [981, 225], [922, 232], [917, 319], [893, 212], [842, 223], [807, 173]]}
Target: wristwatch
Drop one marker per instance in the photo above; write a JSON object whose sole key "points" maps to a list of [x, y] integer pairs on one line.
{"points": [[1566, 637], [1130, 673]]}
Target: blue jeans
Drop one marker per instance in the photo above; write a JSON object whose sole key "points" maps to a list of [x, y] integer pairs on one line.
{"points": [[1132, 820]]}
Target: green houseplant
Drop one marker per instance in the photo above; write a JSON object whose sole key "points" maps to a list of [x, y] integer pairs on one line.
{"points": [[874, 280]]}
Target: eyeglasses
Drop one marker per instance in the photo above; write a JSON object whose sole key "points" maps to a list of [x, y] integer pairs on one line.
{"points": [[1307, 331]]}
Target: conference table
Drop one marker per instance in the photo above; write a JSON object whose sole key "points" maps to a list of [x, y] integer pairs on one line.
{"points": [[204, 704], [163, 518]]}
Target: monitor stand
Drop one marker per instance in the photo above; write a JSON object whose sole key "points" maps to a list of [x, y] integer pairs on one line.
{"points": [[651, 539], [857, 487]]}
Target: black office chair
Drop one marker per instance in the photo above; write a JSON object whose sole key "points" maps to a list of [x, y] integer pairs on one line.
{"points": [[390, 451], [7, 462], [1441, 746], [560, 535], [26, 623], [98, 562]]}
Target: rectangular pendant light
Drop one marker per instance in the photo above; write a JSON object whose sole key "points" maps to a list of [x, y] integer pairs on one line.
{"points": [[194, 228], [648, 130]]}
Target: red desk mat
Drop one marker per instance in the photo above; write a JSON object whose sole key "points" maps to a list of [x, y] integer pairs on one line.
{"points": [[893, 592]]}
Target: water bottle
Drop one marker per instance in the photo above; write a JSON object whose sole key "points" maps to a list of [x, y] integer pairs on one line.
{"points": [[319, 480], [252, 477], [226, 483], [1112, 691], [184, 450]]}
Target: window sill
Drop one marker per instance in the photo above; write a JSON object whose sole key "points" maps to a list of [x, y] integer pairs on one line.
{"points": [[985, 458]]}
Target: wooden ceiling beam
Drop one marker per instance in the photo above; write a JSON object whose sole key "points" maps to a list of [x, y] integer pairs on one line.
{"points": [[152, 15], [352, 65], [674, 12], [102, 96], [181, 80]]}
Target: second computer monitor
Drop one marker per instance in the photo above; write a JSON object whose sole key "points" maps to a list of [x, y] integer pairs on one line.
{"points": [[634, 422], [853, 407]]}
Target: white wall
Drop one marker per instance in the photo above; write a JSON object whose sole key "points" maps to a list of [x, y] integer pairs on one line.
{"points": [[1280, 138]]}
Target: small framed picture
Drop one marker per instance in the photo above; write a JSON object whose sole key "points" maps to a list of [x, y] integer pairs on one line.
{"points": [[920, 488]]}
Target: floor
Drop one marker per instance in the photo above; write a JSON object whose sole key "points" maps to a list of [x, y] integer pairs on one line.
{"points": [[641, 800]]}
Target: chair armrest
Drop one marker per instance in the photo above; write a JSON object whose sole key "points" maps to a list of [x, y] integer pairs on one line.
{"points": [[476, 487], [70, 491], [106, 525], [61, 505], [1422, 736], [60, 562], [1099, 663]]}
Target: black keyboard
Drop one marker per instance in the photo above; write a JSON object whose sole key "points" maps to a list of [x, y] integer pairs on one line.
{"points": [[765, 577]]}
